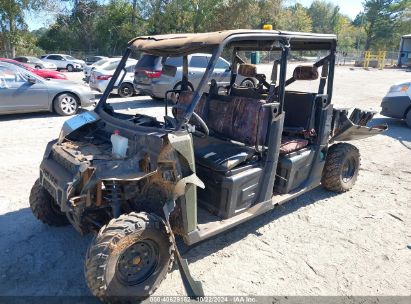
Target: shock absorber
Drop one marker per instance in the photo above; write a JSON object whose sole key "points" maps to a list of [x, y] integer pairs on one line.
{"points": [[113, 194]]}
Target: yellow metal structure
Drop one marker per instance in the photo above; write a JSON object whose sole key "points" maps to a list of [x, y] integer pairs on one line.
{"points": [[380, 57]]}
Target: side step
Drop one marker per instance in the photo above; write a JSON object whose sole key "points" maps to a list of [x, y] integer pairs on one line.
{"points": [[213, 228]]}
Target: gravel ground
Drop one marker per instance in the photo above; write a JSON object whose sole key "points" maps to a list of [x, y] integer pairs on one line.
{"points": [[318, 244]]}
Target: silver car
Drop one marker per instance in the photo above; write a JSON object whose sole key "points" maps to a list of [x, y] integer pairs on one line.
{"points": [[149, 78], [101, 64], [22, 91], [36, 63], [100, 78]]}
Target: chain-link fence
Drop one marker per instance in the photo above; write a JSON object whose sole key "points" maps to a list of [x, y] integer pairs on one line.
{"points": [[357, 58], [354, 58]]}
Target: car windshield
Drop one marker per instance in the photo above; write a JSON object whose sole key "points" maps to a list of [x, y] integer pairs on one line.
{"points": [[101, 62], [69, 57], [19, 74], [149, 61], [111, 65]]}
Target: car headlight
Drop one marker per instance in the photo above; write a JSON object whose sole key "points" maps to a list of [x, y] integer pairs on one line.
{"points": [[400, 87]]}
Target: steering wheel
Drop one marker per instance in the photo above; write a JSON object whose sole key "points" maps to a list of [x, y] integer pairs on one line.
{"points": [[203, 126], [199, 121]]}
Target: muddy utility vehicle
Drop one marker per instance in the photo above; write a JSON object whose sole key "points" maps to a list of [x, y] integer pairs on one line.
{"points": [[221, 155]]}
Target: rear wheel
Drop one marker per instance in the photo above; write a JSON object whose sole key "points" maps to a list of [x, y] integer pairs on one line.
{"points": [[66, 104], [341, 167], [37, 67], [126, 90], [129, 258], [45, 208], [408, 119], [248, 83]]}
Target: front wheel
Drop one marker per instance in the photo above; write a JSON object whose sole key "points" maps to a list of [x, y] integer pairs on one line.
{"points": [[66, 104], [44, 207], [129, 258], [341, 167], [70, 68]]}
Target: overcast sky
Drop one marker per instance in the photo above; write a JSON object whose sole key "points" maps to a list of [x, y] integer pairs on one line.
{"points": [[347, 7]]}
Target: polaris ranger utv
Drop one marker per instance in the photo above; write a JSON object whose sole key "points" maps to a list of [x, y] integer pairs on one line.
{"points": [[222, 155]]}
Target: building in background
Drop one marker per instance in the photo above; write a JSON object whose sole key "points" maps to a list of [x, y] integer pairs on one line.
{"points": [[404, 54]]}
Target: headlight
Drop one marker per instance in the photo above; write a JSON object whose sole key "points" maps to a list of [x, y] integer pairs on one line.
{"points": [[400, 87]]}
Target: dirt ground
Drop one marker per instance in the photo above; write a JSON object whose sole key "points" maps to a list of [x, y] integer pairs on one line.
{"points": [[318, 244]]}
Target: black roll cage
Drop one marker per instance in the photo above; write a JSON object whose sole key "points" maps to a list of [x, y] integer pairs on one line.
{"points": [[259, 42]]}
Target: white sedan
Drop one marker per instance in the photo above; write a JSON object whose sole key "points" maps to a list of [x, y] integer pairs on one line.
{"points": [[100, 78], [101, 64]]}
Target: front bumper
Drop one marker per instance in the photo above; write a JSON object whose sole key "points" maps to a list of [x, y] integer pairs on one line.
{"points": [[57, 173], [87, 99], [395, 106]]}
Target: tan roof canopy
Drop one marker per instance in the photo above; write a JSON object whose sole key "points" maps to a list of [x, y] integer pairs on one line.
{"points": [[184, 44]]}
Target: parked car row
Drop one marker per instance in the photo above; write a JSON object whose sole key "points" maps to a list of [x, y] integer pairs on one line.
{"points": [[25, 84], [23, 91], [36, 62], [39, 72], [151, 80]]}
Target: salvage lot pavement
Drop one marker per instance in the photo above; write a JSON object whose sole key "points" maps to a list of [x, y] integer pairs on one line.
{"points": [[318, 244]]}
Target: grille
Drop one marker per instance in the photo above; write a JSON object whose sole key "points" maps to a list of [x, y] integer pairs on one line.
{"points": [[69, 166]]}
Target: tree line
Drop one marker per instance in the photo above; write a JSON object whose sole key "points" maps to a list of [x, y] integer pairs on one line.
{"points": [[104, 27]]}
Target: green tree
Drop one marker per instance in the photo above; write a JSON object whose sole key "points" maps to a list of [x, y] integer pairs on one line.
{"points": [[296, 18], [12, 22], [324, 16], [383, 21], [114, 27]]}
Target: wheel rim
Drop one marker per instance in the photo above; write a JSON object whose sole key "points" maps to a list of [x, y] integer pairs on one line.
{"points": [[348, 170], [247, 84], [68, 105], [70, 68], [125, 90], [138, 262]]}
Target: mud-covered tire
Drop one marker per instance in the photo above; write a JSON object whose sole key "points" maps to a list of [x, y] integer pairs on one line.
{"points": [[341, 167], [108, 271], [45, 208]]}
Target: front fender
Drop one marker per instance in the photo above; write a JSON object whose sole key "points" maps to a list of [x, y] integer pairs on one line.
{"points": [[354, 127]]}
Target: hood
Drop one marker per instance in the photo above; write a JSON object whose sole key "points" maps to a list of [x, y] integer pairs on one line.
{"points": [[67, 84], [402, 82]]}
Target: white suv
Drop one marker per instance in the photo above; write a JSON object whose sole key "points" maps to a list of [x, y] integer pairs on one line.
{"points": [[64, 62]]}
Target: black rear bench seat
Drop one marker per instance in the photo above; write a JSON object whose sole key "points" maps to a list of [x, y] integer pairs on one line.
{"points": [[239, 125]]}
